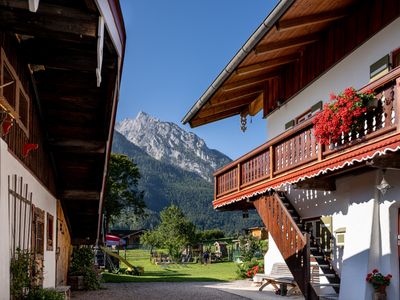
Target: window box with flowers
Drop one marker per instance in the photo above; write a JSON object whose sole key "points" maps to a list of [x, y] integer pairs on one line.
{"points": [[344, 114]]}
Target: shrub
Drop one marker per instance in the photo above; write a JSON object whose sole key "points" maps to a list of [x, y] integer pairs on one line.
{"points": [[19, 269], [249, 268], [82, 264], [39, 293]]}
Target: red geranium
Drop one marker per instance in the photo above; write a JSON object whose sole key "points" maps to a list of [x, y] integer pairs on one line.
{"points": [[342, 115], [378, 281]]}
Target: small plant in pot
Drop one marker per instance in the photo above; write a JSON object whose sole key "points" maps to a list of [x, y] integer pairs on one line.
{"points": [[82, 272], [379, 283]]}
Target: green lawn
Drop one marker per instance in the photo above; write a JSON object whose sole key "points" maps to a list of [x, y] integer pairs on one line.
{"points": [[223, 271]]}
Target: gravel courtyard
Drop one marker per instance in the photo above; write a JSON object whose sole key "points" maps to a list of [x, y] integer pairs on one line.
{"points": [[235, 290]]}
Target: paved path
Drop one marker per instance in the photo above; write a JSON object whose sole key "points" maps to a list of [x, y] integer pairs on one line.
{"points": [[235, 290]]}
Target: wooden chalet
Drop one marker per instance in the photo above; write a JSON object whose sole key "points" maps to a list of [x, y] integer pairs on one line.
{"points": [[302, 190], [60, 69]]}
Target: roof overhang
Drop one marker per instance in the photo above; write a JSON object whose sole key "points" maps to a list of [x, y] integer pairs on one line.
{"points": [[74, 50], [253, 79]]}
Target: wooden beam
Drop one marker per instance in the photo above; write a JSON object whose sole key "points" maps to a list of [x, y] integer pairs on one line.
{"points": [[74, 145], [227, 104], [320, 184], [80, 195], [270, 63], [247, 82], [285, 44], [226, 114], [256, 105], [221, 95], [61, 24], [311, 19], [388, 161]]}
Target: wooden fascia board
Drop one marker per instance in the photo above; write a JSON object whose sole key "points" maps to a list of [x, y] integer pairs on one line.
{"points": [[311, 19], [288, 43]]}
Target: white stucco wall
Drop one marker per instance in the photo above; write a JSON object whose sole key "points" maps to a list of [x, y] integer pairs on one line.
{"points": [[41, 198], [370, 220], [351, 71]]}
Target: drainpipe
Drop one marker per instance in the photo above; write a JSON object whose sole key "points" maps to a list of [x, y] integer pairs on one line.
{"points": [[261, 31]]}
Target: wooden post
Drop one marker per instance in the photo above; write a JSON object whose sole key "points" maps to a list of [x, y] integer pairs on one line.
{"points": [[397, 103], [271, 162], [306, 266], [320, 150], [215, 187], [239, 176]]}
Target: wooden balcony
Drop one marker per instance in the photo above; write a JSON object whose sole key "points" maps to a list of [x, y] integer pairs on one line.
{"points": [[295, 154]]}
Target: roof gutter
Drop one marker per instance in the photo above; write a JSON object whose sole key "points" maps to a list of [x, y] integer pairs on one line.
{"points": [[261, 31]]}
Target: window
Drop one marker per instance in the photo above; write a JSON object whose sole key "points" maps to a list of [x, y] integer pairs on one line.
{"points": [[9, 86], [13, 97], [339, 236], [304, 116], [50, 232], [38, 231]]}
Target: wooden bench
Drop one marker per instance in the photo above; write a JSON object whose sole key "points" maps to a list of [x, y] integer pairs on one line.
{"points": [[280, 275]]}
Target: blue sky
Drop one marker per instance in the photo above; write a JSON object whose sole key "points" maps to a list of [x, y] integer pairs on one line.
{"points": [[175, 49]]}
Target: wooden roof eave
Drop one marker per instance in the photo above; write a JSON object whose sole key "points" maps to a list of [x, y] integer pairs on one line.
{"points": [[291, 35], [268, 23]]}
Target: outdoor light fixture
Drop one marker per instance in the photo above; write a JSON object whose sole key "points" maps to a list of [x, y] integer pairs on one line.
{"points": [[245, 214], [384, 186]]}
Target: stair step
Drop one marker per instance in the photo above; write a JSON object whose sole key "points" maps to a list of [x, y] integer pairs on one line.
{"points": [[325, 284], [322, 266], [286, 204], [314, 248], [317, 256], [331, 275], [328, 296]]}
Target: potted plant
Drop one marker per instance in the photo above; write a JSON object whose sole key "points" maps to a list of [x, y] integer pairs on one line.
{"points": [[343, 114], [82, 273], [379, 283]]}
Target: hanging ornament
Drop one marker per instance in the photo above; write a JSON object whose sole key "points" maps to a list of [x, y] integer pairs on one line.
{"points": [[28, 148], [384, 186], [243, 122]]}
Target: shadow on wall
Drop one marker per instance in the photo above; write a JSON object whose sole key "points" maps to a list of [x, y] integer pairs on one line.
{"points": [[349, 190]]}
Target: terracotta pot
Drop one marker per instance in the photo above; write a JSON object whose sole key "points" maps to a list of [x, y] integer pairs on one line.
{"points": [[378, 295]]}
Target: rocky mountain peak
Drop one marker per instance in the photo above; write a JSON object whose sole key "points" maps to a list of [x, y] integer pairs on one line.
{"points": [[167, 142]]}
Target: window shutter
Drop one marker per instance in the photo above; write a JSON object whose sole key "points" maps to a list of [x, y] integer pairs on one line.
{"points": [[289, 124]]}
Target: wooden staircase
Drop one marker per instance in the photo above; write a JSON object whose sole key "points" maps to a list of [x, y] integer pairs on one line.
{"points": [[300, 249]]}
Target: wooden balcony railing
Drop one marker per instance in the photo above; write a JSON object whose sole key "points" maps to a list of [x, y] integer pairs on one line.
{"points": [[297, 147]]}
